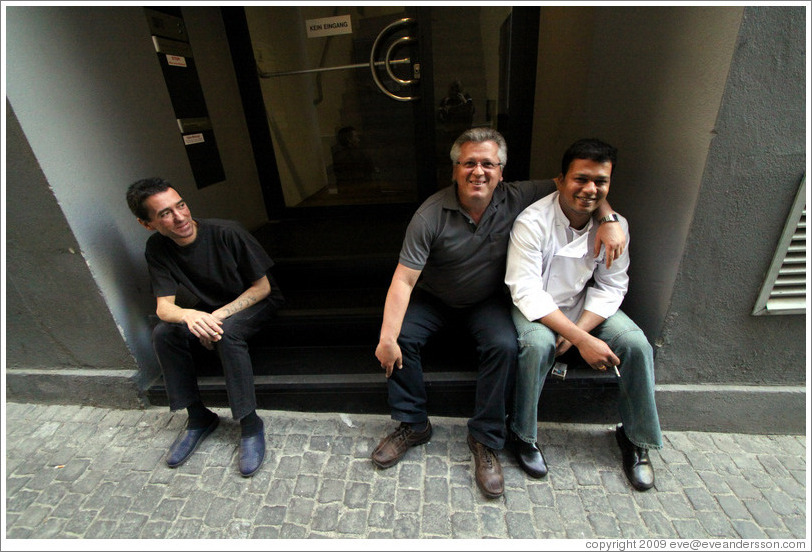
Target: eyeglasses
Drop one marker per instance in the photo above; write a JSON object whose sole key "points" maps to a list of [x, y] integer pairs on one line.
{"points": [[486, 165]]}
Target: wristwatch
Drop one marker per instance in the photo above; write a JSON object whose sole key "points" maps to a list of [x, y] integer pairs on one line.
{"points": [[609, 218]]}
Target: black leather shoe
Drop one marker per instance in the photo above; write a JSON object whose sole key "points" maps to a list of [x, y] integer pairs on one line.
{"points": [[529, 457], [252, 453], [187, 442], [636, 463]]}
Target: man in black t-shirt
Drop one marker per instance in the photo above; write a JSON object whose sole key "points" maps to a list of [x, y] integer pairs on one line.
{"points": [[228, 271]]}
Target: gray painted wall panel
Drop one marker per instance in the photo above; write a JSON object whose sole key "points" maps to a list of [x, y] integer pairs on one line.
{"points": [[55, 315], [754, 167]]}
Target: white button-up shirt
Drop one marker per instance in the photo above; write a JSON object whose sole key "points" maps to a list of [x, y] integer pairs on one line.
{"points": [[551, 266]]}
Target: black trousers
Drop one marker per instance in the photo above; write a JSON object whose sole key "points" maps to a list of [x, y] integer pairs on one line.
{"points": [[173, 345], [490, 325]]}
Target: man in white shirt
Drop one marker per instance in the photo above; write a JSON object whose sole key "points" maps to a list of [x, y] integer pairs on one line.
{"points": [[451, 272], [566, 302]]}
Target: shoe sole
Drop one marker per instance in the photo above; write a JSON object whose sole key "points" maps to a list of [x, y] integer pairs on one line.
{"points": [[205, 434], [533, 474], [385, 465]]}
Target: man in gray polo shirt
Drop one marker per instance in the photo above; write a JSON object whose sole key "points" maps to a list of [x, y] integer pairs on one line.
{"points": [[451, 272]]}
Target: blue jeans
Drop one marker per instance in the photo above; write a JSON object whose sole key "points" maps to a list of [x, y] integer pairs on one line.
{"points": [[489, 324], [173, 346], [636, 405]]}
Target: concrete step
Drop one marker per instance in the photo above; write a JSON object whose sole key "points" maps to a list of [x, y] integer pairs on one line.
{"points": [[450, 393]]}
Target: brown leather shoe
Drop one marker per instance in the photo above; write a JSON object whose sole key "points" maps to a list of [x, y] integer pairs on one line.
{"points": [[489, 477], [392, 447]]}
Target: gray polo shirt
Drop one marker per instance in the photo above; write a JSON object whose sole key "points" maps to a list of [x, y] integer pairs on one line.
{"points": [[463, 263]]}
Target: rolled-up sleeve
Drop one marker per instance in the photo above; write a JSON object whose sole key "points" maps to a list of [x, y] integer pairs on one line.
{"points": [[525, 268], [609, 285]]}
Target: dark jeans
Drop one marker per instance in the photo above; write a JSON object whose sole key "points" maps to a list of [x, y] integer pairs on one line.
{"points": [[490, 325], [173, 346]]}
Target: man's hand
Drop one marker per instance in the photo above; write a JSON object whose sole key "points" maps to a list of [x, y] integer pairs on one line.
{"points": [[612, 237], [597, 354], [203, 325], [388, 354], [207, 343], [562, 345]]}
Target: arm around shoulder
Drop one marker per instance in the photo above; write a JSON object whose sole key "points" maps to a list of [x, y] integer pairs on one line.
{"points": [[609, 234]]}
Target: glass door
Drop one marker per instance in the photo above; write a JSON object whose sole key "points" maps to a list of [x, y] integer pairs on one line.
{"points": [[339, 112], [360, 105]]}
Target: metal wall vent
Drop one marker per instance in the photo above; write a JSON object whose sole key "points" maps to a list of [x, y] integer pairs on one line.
{"points": [[784, 289]]}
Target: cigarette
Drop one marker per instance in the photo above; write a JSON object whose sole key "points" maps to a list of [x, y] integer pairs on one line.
{"points": [[616, 371]]}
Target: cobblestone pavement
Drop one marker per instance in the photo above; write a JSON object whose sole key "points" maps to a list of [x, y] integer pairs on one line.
{"points": [[96, 473]]}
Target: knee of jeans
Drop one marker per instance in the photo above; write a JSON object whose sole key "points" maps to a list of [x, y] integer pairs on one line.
{"points": [[162, 331], [506, 345], [409, 344], [537, 338], [532, 355], [231, 338], [633, 342]]}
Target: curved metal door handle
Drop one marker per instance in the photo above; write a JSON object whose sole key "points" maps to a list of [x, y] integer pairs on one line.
{"points": [[388, 60], [372, 63]]}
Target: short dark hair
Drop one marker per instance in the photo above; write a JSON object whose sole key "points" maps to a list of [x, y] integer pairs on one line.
{"points": [[139, 191], [589, 148]]}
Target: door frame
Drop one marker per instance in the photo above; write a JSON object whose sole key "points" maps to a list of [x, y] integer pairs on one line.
{"points": [[517, 129]]}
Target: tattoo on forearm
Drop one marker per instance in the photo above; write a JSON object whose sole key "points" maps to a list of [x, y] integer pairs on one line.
{"points": [[240, 304]]}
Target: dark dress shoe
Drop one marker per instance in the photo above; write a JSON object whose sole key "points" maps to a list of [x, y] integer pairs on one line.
{"points": [[392, 447], [252, 453], [529, 457], [636, 463], [187, 442], [488, 470]]}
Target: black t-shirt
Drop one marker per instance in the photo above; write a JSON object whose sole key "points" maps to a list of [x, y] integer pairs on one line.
{"points": [[216, 268]]}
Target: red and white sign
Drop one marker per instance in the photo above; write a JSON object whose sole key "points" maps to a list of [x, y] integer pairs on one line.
{"points": [[177, 61], [190, 139]]}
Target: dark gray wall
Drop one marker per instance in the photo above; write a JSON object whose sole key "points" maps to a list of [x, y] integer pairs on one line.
{"points": [[755, 164], [57, 320]]}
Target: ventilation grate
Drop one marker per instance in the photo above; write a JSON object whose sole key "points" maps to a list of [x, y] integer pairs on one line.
{"points": [[784, 289]]}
